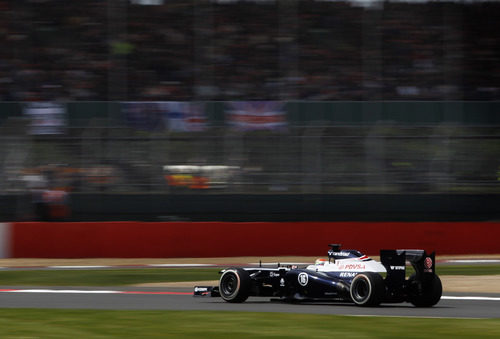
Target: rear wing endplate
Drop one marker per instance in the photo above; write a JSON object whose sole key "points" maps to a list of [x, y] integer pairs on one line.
{"points": [[394, 262]]}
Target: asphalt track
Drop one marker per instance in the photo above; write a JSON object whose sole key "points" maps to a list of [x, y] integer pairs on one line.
{"points": [[452, 305], [481, 306]]}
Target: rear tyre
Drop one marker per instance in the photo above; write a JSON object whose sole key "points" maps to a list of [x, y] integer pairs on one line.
{"points": [[234, 285], [425, 295], [367, 289]]}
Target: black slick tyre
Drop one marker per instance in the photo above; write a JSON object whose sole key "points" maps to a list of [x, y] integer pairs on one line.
{"points": [[425, 295], [234, 285], [367, 289]]}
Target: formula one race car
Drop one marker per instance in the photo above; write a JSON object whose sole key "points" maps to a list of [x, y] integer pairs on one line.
{"points": [[346, 276]]}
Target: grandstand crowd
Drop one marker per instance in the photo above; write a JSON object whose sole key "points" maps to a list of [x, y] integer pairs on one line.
{"points": [[248, 50]]}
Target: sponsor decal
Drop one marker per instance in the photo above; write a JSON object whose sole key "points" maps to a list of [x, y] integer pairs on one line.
{"points": [[339, 254], [303, 279], [348, 274], [282, 282], [352, 267], [201, 289], [274, 274], [330, 293], [397, 268]]}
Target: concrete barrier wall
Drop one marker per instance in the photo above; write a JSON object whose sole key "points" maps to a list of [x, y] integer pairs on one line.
{"points": [[228, 239], [5, 240], [275, 207]]}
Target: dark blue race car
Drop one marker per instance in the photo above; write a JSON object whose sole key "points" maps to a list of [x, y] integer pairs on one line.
{"points": [[346, 276]]}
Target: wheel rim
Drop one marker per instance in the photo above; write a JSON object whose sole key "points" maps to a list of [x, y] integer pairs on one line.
{"points": [[229, 284], [361, 290]]}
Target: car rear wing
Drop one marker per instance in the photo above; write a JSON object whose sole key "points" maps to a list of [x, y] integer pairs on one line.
{"points": [[394, 262]]}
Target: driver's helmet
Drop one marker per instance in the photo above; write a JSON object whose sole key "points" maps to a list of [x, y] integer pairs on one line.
{"points": [[320, 262]]}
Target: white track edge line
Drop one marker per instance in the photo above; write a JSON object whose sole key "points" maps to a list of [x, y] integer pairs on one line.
{"points": [[82, 266], [479, 298], [445, 297]]}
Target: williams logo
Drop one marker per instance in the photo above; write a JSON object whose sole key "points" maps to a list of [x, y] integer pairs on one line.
{"points": [[428, 262], [428, 265], [303, 279]]}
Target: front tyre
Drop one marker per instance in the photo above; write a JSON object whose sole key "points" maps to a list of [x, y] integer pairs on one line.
{"points": [[234, 285], [425, 295], [367, 289]]}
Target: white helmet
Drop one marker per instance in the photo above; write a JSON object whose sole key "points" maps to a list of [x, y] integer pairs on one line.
{"points": [[320, 262]]}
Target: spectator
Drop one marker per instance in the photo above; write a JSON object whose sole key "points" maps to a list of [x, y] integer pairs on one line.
{"points": [[211, 50]]}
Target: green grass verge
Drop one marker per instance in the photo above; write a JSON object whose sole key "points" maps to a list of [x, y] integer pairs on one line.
{"points": [[48, 323], [462, 270], [112, 277], [468, 269], [121, 277]]}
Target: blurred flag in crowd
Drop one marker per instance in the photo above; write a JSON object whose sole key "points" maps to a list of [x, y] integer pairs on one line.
{"points": [[256, 115], [145, 116], [184, 116], [161, 115], [45, 117]]}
